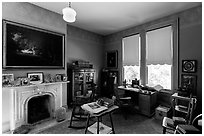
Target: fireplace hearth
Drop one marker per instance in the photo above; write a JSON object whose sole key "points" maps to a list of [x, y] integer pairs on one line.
{"points": [[39, 108]]}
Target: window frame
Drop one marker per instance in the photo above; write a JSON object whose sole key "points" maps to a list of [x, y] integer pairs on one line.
{"points": [[175, 62]]}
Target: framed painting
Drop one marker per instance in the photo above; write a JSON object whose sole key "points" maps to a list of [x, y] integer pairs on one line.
{"points": [[189, 81], [189, 66], [31, 47], [112, 59]]}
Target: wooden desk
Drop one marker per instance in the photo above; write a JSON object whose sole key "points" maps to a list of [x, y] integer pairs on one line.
{"points": [[145, 102], [100, 115]]}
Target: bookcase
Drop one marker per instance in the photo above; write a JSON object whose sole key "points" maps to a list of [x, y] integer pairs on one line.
{"points": [[81, 81]]}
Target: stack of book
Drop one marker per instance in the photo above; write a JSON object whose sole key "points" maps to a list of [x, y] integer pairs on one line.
{"points": [[93, 107]]}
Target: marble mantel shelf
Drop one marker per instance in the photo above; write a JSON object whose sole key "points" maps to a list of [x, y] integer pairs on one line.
{"points": [[30, 85]]}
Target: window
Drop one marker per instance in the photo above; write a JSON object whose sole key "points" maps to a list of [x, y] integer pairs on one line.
{"points": [[152, 56], [131, 58], [159, 57]]}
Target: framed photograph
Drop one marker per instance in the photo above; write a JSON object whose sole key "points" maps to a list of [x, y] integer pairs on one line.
{"points": [[112, 59], [190, 82], [7, 79], [35, 78], [189, 66]]}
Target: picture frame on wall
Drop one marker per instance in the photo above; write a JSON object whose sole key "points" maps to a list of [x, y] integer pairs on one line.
{"points": [[189, 66], [35, 78], [112, 59], [43, 48], [189, 81]]}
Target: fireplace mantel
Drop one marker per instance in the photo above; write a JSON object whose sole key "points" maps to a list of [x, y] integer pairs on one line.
{"points": [[14, 101]]}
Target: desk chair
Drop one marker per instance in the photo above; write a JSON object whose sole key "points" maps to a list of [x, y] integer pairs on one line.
{"points": [[194, 128], [78, 114], [124, 103], [170, 124]]}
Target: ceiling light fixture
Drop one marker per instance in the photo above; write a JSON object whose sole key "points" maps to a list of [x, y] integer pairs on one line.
{"points": [[69, 14]]}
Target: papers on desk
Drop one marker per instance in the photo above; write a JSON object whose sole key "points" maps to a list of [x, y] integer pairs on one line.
{"points": [[93, 107]]}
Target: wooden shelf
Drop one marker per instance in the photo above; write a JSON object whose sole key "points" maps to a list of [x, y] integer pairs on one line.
{"points": [[103, 129], [181, 108]]}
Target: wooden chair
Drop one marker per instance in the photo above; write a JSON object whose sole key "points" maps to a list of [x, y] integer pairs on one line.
{"points": [[170, 124], [194, 128], [78, 114], [124, 103]]}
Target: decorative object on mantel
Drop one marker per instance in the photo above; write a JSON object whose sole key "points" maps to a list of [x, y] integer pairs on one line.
{"points": [[48, 78], [189, 66], [58, 77], [25, 81], [35, 78], [17, 81], [7, 79], [112, 59], [65, 78], [69, 14]]}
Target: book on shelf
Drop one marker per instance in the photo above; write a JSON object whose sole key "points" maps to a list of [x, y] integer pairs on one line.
{"points": [[93, 107], [103, 129]]}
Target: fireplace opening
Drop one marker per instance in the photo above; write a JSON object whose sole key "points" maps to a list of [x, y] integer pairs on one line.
{"points": [[39, 108]]}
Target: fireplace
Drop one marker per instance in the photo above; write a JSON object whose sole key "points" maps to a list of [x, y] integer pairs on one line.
{"points": [[40, 108], [31, 104]]}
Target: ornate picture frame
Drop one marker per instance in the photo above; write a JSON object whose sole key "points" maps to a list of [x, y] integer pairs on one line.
{"points": [[112, 59], [189, 81], [189, 66], [35, 78]]}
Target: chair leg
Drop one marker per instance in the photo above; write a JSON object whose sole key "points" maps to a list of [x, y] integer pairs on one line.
{"points": [[70, 125], [164, 130]]}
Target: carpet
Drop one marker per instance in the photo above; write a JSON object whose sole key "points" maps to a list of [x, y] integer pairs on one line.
{"points": [[135, 124]]}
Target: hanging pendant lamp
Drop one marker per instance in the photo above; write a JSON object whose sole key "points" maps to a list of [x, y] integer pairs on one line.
{"points": [[69, 14]]}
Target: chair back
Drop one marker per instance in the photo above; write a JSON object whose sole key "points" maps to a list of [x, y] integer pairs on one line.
{"points": [[191, 108]]}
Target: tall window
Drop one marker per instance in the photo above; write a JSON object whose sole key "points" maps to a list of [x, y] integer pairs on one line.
{"points": [[159, 57], [151, 56], [131, 58]]}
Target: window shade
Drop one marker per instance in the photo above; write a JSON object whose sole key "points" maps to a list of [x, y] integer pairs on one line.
{"points": [[159, 46], [131, 53]]}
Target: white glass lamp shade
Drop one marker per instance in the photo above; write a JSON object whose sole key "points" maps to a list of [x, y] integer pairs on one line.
{"points": [[69, 14]]}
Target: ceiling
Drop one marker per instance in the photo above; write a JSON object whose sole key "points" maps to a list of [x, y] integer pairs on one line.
{"points": [[108, 17]]}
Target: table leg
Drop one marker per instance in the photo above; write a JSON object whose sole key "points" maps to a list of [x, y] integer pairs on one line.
{"points": [[87, 123], [98, 125], [112, 123]]}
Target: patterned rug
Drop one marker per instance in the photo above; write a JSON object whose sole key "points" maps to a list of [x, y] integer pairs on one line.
{"points": [[135, 124]]}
